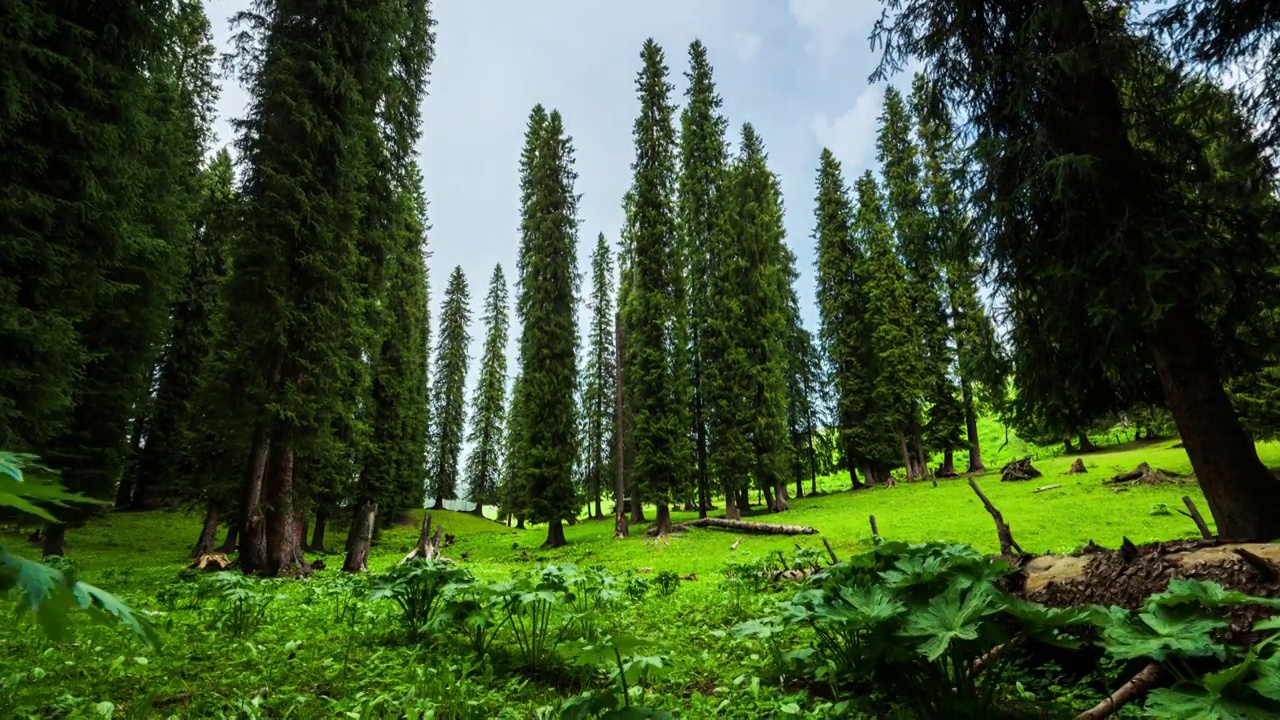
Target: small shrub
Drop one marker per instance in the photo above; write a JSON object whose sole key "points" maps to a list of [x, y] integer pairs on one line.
{"points": [[418, 588]]}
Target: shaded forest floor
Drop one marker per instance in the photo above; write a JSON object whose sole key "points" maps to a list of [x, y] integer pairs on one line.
{"points": [[319, 649]]}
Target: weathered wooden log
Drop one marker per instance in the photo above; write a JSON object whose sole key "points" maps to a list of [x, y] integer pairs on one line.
{"points": [[1135, 688], [743, 526], [1195, 516], [1046, 488], [1018, 470], [1007, 545]]}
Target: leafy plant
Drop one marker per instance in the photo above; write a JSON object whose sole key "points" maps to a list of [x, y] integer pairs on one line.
{"points": [[629, 674], [1180, 629], [241, 602], [530, 605], [667, 581], [46, 591], [418, 588]]}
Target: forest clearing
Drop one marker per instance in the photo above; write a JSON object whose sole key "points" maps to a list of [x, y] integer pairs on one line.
{"points": [[963, 403]]}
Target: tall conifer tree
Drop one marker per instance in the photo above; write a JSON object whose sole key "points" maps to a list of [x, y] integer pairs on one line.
{"points": [[653, 314], [448, 404], [489, 405], [703, 158], [599, 379], [546, 437]]}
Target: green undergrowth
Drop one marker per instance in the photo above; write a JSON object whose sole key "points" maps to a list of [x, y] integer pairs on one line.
{"points": [[337, 646]]}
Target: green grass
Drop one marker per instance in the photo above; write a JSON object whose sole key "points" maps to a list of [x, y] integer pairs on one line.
{"points": [[304, 661]]}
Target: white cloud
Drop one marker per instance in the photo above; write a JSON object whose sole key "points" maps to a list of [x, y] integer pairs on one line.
{"points": [[833, 24], [746, 45], [852, 134]]}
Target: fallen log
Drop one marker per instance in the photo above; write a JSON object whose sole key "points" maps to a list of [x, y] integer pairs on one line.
{"points": [[1046, 488], [742, 526], [1018, 470]]}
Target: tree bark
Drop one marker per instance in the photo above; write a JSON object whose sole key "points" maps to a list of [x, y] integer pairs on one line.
{"points": [[1086, 445], [54, 540], [1067, 447], [906, 458], [555, 535], [253, 534], [208, 532], [520, 523], [922, 459], [700, 440], [744, 498], [799, 488], [438, 504], [621, 527], [317, 535], [360, 537], [731, 509], [780, 503], [128, 479], [284, 547], [868, 474], [1240, 490], [662, 522], [949, 462], [971, 430], [741, 526], [230, 544]]}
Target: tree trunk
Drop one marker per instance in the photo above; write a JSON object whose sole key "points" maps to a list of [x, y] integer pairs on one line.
{"points": [[780, 503], [741, 526], [360, 537], [1086, 445], [253, 533], [744, 498], [1067, 447], [868, 474], [208, 532], [128, 479], [971, 430], [700, 440], [731, 510], [948, 462], [637, 507], [765, 489], [317, 536], [54, 541], [662, 521], [520, 523], [599, 514], [621, 527], [906, 457], [478, 510], [851, 465], [230, 544], [555, 535], [799, 488], [438, 504], [922, 459], [1240, 490], [284, 546]]}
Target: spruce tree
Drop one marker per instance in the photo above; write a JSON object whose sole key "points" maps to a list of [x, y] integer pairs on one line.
{"points": [[299, 290], [488, 406], [513, 493], [703, 158], [448, 405], [937, 418], [546, 392], [599, 380], [972, 332], [653, 313], [896, 363], [842, 309]]}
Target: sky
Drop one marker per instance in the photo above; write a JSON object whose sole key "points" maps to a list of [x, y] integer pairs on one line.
{"points": [[796, 69]]}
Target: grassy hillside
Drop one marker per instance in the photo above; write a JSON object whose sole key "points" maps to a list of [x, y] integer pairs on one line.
{"points": [[323, 650]]}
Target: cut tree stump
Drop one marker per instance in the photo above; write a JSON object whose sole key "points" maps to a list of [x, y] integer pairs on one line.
{"points": [[1018, 470], [428, 547], [1077, 467], [211, 562], [742, 527], [1144, 475]]}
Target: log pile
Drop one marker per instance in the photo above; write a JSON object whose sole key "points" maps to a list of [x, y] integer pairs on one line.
{"points": [[1019, 470], [1144, 475]]}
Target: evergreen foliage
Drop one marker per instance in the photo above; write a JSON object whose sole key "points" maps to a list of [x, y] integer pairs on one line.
{"points": [[448, 405], [703, 160], [654, 310], [488, 406], [599, 381], [546, 436]]}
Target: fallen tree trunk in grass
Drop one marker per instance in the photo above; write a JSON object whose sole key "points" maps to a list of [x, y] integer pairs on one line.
{"points": [[742, 526], [1145, 475]]}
